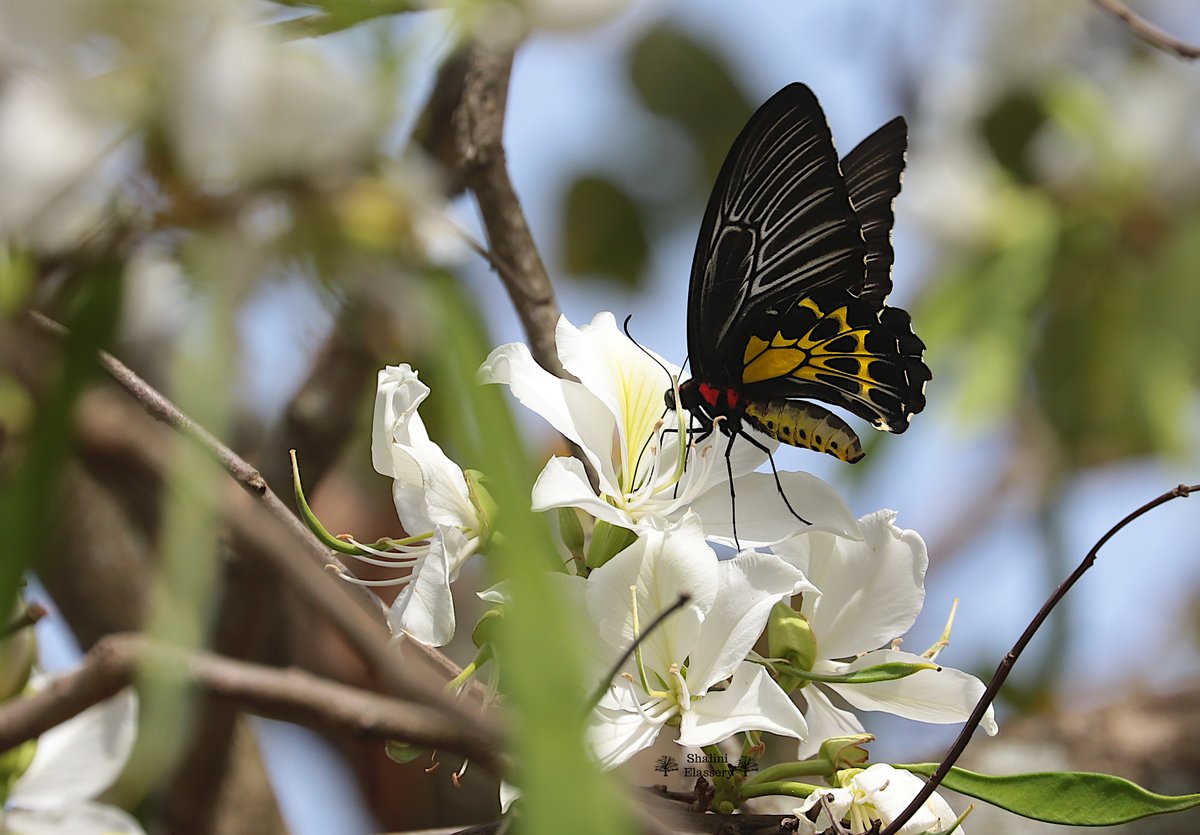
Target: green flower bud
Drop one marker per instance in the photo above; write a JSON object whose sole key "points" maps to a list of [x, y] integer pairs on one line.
{"points": [[607, 541], [571, 531], [484, 633], [846, 752], [790, 637]]}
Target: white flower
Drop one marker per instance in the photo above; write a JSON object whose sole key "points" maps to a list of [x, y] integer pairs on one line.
{"points": [[677, 676], [615, 414], [50, 153], [75, 762], [871, 592], [244, 108], [880, 793], [434, 504]]}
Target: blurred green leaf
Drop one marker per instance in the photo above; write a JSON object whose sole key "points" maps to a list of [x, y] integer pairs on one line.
{"points": [[27, 494], [539, 640], [691, 83], [1010, 127], [603, 232]]}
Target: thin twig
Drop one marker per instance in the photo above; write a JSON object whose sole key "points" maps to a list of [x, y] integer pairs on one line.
{"points": [[658, 621], [1148, 32], [290, 695], [262, 534], [1006, 665]]}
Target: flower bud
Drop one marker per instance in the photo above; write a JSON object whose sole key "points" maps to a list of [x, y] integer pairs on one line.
{"points": [[571, 531], [608, 540], [790, 637], [846, 752]]}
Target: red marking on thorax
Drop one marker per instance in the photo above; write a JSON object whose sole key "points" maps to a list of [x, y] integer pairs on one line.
{"points": [[713, 396]]}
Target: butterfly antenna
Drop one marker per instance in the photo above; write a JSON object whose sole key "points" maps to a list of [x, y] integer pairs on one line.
{"points": [[657, 361]]}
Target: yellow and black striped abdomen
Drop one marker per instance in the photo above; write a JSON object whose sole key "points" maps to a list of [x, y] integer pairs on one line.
{"points": [[805, 425]]}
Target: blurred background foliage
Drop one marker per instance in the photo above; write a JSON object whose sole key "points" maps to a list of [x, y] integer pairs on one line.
{"points": [[228, 178]]}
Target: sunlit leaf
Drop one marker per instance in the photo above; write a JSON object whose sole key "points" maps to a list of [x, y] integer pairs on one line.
{"points": [[1073, 798]]}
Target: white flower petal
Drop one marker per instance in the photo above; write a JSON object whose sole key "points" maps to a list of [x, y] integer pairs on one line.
{"points": [[762, 516], [753, 701], [563, 482], [398, 394], [429, 488], [943, 696], [566, 405], [825, 721], [890, 790], [748, 586], [621, 375], [508, 794], [425, 609], [838, 802], [616, 735], [79, 818], [871, 590], [80, 758], [660, 565]]}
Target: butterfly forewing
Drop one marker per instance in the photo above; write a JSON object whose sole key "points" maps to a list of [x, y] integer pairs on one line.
{"points": [[873, 172], [779, 225]]}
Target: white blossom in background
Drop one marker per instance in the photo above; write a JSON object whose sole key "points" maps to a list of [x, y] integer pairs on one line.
{"points": [[434, 504], [877, 795], [247, 108], [679, 675], [616, 414], [870, 593], [49, 152], [74, 763]]}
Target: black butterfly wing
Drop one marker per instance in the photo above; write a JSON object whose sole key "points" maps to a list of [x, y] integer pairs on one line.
{"points": [[872, 172], [779, 226]]}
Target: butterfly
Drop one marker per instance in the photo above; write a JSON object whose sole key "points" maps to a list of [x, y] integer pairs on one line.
{"points": [[788, 287]]}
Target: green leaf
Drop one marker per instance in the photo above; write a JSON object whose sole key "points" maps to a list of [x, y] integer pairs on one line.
{"points": [[603, 232], [867, 675], [537, 638], [1072, 798]]}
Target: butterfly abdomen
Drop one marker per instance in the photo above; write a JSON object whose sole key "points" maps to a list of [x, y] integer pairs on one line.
{"points": [[805, 425]]}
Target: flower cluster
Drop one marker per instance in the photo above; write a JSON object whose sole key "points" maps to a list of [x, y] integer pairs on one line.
{"points": [[832, 597]]}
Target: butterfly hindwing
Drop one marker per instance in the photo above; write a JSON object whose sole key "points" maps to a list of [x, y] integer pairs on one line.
{"points": [[836, 347], [779, 225]]}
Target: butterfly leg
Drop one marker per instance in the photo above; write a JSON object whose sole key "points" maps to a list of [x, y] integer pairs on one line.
{"points": [[732, 494], [774, 472]]}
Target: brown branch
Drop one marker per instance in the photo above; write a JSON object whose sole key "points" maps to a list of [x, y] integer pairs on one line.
{"points": [[463, 127], [265, 533], [289, 695], [1010, 660], [1147, 31]]}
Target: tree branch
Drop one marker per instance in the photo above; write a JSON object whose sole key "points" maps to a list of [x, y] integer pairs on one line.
{"points": [[463, 127], [1147, 31], [960, 744], [289, 695], [265, 533]]}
